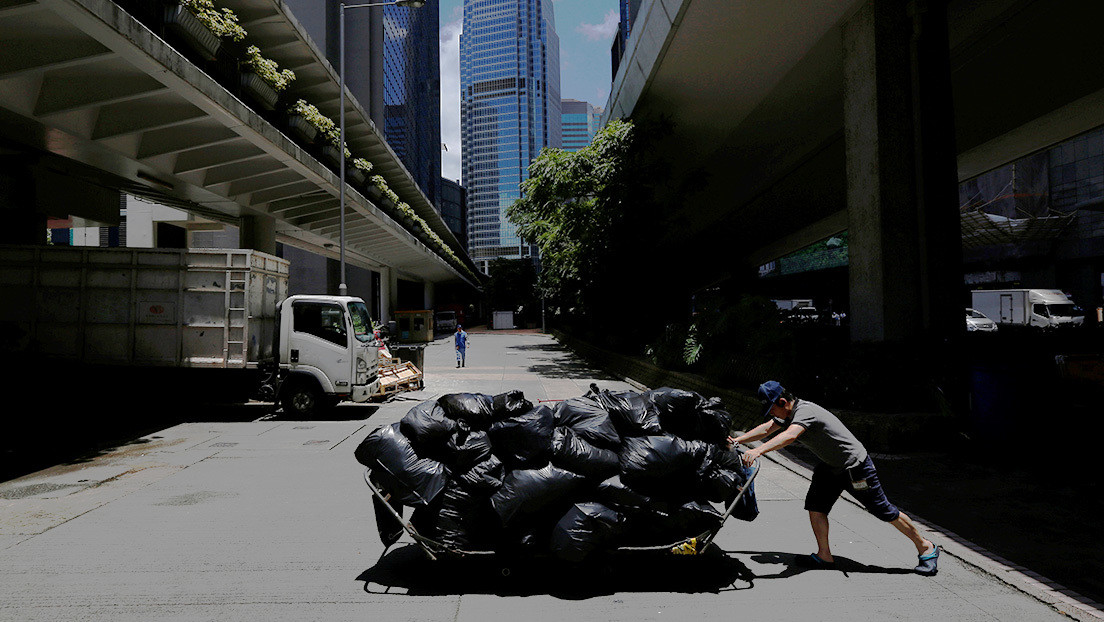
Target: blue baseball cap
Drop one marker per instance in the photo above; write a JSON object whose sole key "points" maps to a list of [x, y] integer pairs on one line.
{"points": [[769, 392]]}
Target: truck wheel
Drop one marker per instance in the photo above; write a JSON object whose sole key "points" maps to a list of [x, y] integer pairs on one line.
{"points": [[302, 400]]}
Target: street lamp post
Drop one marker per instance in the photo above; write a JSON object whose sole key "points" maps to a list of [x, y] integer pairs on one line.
{"points": [[342, 288]]}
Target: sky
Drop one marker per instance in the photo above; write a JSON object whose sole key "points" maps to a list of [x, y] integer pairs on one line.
{"points": [[585, 28]]}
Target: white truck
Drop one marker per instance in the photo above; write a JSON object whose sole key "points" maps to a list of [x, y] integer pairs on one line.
{"points": [[222, 314], [1045, 308]]}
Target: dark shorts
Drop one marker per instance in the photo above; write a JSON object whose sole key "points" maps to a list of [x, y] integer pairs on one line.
{"points": [[828, 484]]}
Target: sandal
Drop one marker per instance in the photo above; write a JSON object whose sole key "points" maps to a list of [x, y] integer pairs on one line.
{"points": [[929, 563]]}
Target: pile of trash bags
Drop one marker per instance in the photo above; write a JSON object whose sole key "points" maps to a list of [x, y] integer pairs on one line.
{"points": [[608, 469]]}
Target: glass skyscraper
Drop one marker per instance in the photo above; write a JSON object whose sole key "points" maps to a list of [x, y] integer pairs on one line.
{"points": [[580, 123], [509, 111], [412, 93]]}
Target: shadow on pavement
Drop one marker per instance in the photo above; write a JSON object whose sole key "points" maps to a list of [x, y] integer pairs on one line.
{"points": [[76, 435], [570, 371], [1039, 510], [793, 568], [408, 568]]}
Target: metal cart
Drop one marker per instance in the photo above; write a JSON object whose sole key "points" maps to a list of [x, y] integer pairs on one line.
{"points": [[695, 545]]}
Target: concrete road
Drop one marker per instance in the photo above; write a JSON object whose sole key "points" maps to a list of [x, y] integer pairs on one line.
{"points": [[270, 520]]}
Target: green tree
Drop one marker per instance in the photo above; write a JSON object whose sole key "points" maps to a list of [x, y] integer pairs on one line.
{"points": [[595, 215]]}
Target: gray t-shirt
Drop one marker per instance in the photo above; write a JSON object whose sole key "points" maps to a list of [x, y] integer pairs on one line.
{"points": [[827, 437]]}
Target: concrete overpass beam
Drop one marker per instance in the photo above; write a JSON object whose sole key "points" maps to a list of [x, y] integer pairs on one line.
{"points": [[905, 247], [258, 233]]}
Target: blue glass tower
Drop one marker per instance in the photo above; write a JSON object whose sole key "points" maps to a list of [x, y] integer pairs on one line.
{"points": [[509, 111], [412, 93]]}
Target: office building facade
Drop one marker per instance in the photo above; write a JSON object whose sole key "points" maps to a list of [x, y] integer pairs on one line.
{"points": [[509, 111], [454, 209], [412, 93], [580, 123]]}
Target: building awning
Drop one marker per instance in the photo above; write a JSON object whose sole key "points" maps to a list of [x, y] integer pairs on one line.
{"points": [[983, 229]]}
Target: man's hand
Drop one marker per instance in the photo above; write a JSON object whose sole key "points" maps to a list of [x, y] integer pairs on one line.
{"points": [[749, 457], [730, 442]]}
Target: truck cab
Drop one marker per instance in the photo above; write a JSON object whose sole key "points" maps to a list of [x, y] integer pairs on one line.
{"points": [[1052, 307], [326, 352]]}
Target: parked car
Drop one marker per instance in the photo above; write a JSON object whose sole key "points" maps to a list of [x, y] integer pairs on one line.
{"points": [[978, 321], [446, 321]]}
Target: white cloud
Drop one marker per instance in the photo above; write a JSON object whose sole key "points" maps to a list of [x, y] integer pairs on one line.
{"points": [[603, 31], [603, 96], [450, 95]]}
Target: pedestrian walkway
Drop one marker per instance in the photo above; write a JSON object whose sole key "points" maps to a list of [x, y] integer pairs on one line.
{"points": [[271, 520]]}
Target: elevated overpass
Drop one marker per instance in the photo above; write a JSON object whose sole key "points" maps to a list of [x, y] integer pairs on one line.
{"points": [[807, 119], [93, 102]]}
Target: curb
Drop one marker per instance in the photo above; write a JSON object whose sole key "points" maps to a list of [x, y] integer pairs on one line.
{"points": [[1020, 578]]}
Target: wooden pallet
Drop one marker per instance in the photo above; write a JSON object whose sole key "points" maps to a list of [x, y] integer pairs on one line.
{"points": [[398, 376]]}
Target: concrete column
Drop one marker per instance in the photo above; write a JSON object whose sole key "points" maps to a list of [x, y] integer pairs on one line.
{"points": [[258, 233], [905, 246], [430, 295], [388, 293]]}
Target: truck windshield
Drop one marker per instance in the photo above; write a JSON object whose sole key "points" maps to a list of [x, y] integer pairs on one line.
{"points": [[1065, 310], [362, 322]]}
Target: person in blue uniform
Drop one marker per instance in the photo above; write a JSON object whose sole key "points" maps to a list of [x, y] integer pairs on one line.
{"points": [[461, 339]]}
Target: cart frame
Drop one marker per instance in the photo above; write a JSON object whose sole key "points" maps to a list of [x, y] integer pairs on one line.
{"points": [[695, 545]]}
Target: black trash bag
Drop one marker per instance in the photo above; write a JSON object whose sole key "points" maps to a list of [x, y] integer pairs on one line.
{"points": [[410, 479], [465, 521], [614, 493], [633, 413], [695, 517], [528, 491], [674, 401], [589, 420], [468, 448], [571, 452], [690, 416], [665, 466], [389, 528], [722, 476], [718, 484], [661, 525], [475, 409], [524, 441], [529, 535], [486, 477], [584, 528], [510, 404], [715, 425], [427, 426]]}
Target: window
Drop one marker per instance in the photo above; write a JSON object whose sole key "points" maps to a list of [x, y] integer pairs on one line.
{"points": [[362, 322], [321, 319], [1040, 309]]}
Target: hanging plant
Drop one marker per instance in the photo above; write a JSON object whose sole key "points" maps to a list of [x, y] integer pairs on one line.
{"points": [[312, 115], [363, 164], [381, 183], [268, 69], [223, 23], [324, 124]]}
